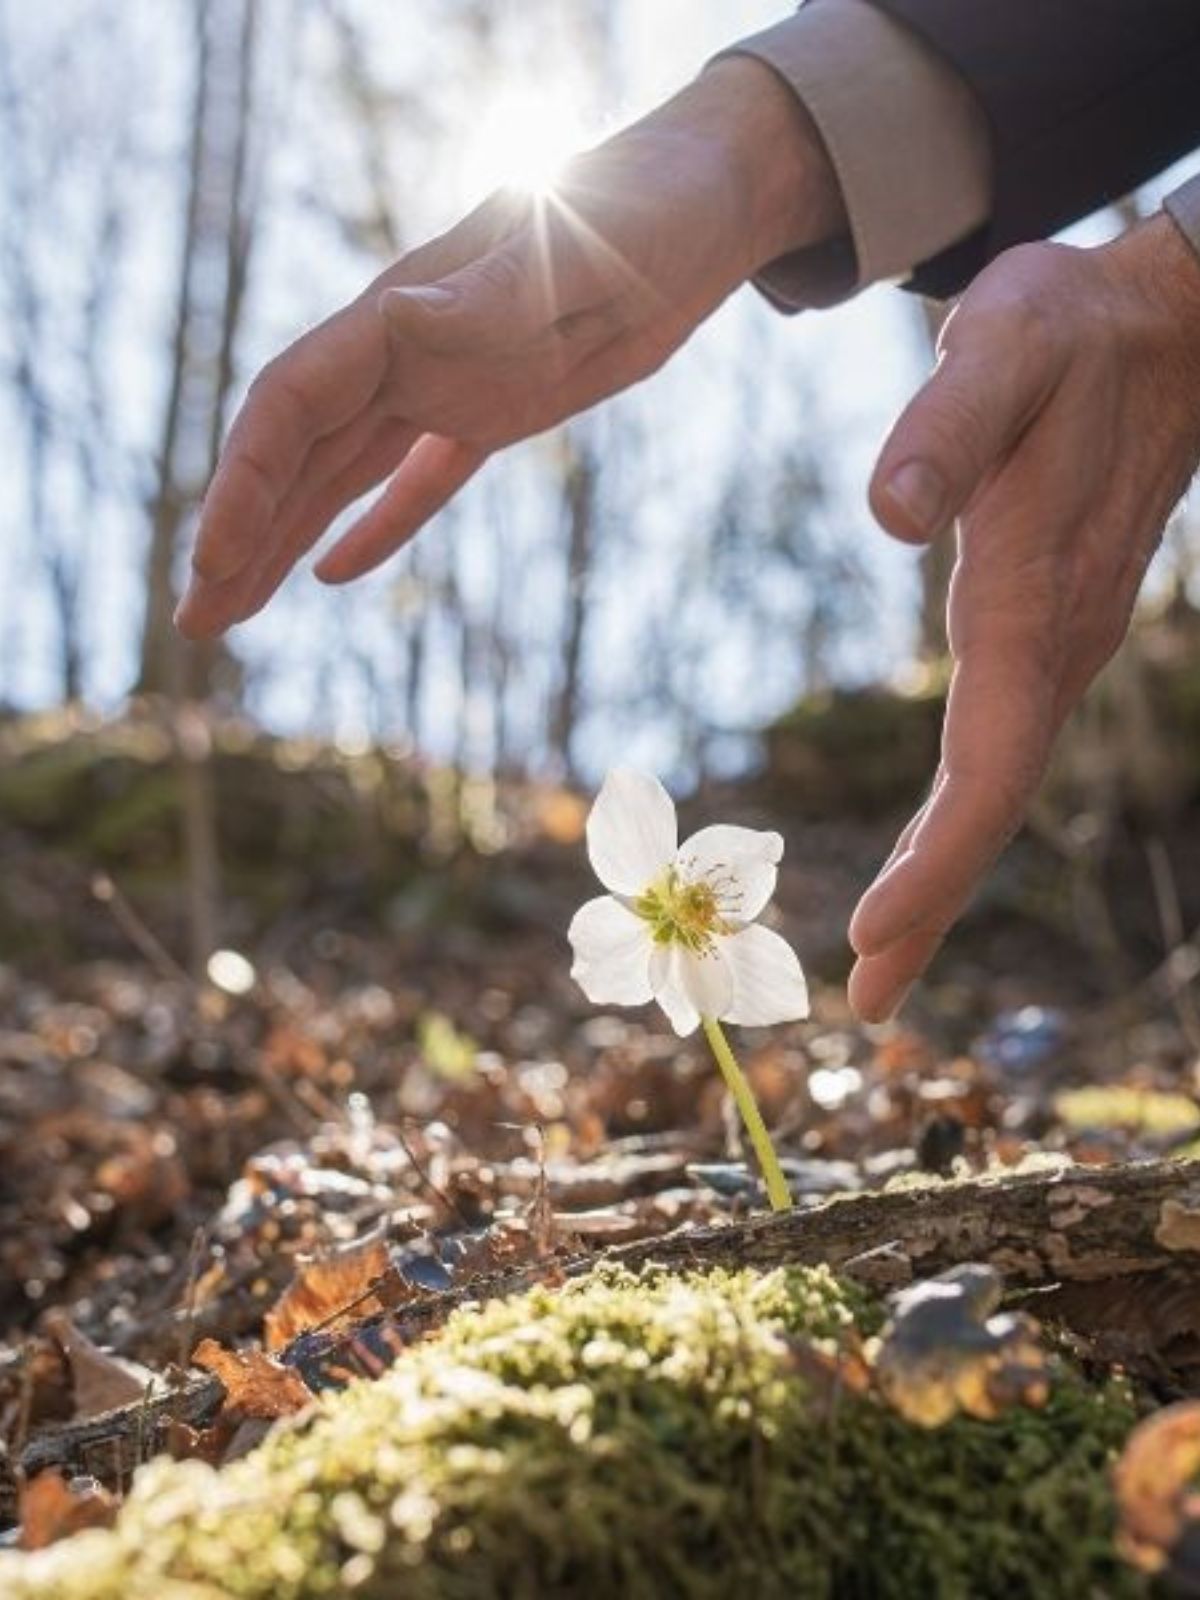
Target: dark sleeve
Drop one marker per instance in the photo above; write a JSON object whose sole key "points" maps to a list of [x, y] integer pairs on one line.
{"points": [[1086, 99]]}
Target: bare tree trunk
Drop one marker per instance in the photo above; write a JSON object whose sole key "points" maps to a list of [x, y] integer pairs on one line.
{"points": [[214, 262], [580, 485]]}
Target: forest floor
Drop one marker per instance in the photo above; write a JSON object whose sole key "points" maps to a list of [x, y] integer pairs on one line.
{"points": [[387, 1093]]}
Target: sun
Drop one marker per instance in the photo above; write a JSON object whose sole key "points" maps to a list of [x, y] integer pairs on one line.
{"points": [[522, 139]]}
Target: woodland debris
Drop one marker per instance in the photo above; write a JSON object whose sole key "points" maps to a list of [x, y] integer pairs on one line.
{"points": [[948, 1348], [255, 1384], [52, 1508], [1157, 1483], [330, 1291], [1007, 1222]]}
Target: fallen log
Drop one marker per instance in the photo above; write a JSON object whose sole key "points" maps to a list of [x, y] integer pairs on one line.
{"points": [[1109, 1235]]}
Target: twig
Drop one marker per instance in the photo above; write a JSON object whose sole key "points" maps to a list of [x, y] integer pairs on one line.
{"points": [[1170, 917], [451, 1205], [138, 933]]}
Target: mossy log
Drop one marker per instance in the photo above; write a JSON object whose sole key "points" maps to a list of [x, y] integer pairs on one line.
{"points": [[653, 1436], [1119, 1246]]}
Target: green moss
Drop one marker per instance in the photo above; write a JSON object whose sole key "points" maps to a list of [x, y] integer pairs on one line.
{"points": [[643, 1437]]}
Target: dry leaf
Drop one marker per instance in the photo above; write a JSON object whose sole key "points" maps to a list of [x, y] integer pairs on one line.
{"points": [[945, 1351], [329, 1292], [99, 1381], [52, 1509], [255, 1384], [185, 1443], [1157, 1481]]}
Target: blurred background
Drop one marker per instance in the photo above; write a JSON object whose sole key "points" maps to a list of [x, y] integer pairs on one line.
{"points": [[255, 897], [686, 578]]}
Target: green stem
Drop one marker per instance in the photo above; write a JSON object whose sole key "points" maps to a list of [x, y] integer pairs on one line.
{"points": [[778, 1192]]}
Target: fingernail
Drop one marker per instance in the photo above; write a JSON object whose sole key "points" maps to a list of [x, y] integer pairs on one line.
{"points": [[920, 493], [895, 1000], [429, 297]]}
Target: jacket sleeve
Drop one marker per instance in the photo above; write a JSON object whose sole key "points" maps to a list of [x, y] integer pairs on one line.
{"points": [[1085, 99], [908, 144]]}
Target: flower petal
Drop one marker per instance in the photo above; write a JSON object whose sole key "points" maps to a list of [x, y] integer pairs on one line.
{"points": [[612, 953], [631, 832], [768, 985], [708, 979], [666, 979], [742, 863]]}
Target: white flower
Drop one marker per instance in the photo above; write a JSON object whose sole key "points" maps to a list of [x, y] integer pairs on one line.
{"points": [[678, 926]]}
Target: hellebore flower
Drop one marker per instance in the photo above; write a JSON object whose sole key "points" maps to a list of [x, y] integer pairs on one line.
{"points": [[677, 926]]}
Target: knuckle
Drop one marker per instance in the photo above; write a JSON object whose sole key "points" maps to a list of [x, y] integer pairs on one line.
{"points": [[502, 272]]}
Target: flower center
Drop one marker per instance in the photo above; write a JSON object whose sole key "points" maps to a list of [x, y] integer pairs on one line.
{"points": [[684, 911]]}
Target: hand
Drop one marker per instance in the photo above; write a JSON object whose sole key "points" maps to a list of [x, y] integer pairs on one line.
{"points": [[525, 313], [1061, 427]]}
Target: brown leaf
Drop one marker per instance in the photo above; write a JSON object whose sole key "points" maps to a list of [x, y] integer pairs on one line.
{"points": [[52, 1509], [99, 1381], [331, 1291], [255, 1385], [944, 1351], [1157, 1481], [185, 1443]]}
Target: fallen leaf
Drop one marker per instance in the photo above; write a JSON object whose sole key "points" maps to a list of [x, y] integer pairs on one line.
{"points": [[329, 1291], [52, 1509], [944, 1351], [1157, 1482], [100, 1381], [185, 1443], [255, 1384]]}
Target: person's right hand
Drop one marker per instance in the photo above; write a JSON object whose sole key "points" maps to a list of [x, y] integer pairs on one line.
{"points": [[527, 312], [1061, 428]]}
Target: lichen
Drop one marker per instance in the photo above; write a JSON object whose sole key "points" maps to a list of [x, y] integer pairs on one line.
{"points": [[649, 1437]]}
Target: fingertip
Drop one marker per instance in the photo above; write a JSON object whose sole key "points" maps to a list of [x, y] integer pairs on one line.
{"points": [[332, 572], [879, 919], [910, 501], [192, 625], [875, 996], [346, 562]]}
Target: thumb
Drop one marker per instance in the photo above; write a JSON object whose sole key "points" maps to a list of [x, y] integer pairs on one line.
{"points": [[988, 385], [485, 306], [513, 292]]}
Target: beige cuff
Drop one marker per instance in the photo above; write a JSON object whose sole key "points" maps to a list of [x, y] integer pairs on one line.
{"points": [[908, 140], [1182, 205]]}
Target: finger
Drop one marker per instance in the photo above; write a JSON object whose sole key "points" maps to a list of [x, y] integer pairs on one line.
{"points": [[878, 984], [1000, 721], [436, 469], [303, 396], [985, 391], [208, 609]]}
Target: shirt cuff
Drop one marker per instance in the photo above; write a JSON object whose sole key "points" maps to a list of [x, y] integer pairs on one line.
{"points": [[1182, 205], [908, 141]]}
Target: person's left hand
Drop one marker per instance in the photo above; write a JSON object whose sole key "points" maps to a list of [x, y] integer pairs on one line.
{"points": [[526, 312], [1061, 427]]}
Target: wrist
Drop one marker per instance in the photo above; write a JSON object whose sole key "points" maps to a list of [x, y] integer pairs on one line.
{"points": [[1156, 258], [776, 158]]}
